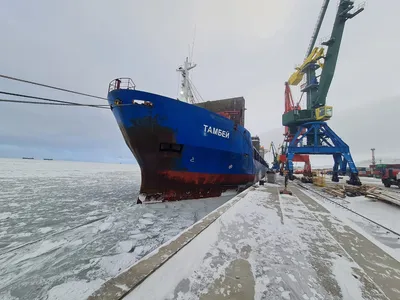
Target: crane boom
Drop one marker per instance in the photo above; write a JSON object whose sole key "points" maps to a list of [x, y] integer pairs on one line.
{"points": [[317, 91], [343, 14], [317, 27]]}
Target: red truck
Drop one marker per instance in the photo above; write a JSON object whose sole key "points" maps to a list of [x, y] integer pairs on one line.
{"points": [[391, 177]]}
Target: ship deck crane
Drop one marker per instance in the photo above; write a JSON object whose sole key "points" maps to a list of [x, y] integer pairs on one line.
{"points": [[312, 135]]}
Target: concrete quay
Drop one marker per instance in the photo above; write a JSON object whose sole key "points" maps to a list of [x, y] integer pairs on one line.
{"points": [[262, 245]]}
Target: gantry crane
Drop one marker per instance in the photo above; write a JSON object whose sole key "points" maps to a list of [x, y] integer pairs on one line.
{"points": [[311, 134]]}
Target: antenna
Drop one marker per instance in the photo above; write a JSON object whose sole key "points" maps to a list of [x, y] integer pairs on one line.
{"points": [[186, 93], [194, 38]]}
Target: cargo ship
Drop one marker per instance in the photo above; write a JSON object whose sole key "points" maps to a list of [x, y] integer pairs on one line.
{"points": [[186, 150]]}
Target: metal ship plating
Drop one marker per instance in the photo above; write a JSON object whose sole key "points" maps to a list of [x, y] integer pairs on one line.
{"points": [[186, 150]]}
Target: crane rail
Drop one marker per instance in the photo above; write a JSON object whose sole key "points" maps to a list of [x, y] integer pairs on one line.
{"points": [[349, 209]]}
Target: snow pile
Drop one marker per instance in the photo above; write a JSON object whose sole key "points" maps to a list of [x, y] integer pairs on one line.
{"points": [[350, 286]]}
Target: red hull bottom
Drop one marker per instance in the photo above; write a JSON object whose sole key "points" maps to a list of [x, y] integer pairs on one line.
{"points": [[177, 185]]}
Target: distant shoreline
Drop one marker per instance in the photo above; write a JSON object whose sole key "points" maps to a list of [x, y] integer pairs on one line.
{"points": [[30, 159]]}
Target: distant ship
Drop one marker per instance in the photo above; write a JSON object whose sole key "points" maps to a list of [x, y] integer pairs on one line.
{"points": [[186, 150], [27, 158], [47, 159]]}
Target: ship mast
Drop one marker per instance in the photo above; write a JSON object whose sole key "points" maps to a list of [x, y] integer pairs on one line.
{"points": [[186, 94]]}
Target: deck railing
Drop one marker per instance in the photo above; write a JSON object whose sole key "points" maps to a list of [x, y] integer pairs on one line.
{"points": [[123, 83]]}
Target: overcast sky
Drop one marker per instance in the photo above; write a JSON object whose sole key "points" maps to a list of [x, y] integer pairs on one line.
{"points": [[242, 48]]}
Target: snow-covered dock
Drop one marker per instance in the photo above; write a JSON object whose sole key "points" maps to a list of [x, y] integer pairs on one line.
{"points": [[262, 245]]}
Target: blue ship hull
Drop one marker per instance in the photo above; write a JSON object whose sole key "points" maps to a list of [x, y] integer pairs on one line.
{"points": [[184, 151]]}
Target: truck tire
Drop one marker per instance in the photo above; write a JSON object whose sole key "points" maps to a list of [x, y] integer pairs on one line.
{"points": [[386, 182]]}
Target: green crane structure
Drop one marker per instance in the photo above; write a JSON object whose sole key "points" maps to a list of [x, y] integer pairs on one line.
{"points": [[311, 133]]}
